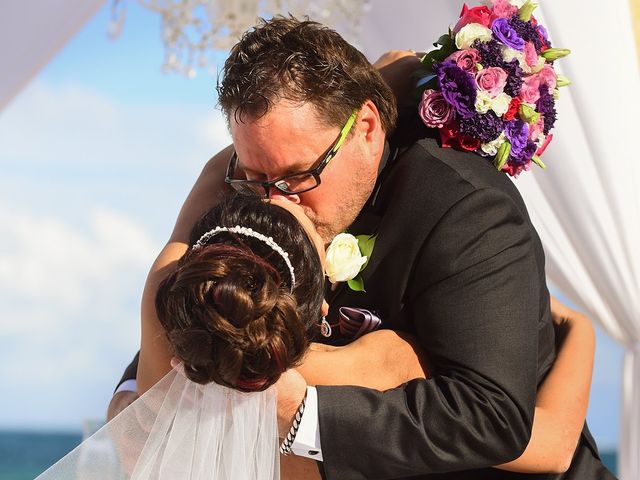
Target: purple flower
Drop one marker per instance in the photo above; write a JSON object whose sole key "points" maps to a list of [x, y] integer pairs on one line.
{"points": [[546, 103], [526, 31], [545, 34], [485, 127], [490, 53], [517, 133], [505, 33], [520, 159], [515, 80], [547, 106], [458, 87], [549, 121]]}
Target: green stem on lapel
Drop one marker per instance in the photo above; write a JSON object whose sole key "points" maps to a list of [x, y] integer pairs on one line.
{"points": [[366, 244], [356, 284]]}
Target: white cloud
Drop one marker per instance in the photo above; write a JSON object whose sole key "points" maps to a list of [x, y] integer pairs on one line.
{"points": [[70, 320], [90, 186], [73, 127]]}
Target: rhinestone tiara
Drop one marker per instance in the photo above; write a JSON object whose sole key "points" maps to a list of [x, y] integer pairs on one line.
{"points": [[248, 232]]}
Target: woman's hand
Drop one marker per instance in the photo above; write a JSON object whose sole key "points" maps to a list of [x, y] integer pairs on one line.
{"points": [[397, 68], [291, 387], [563, 397]]}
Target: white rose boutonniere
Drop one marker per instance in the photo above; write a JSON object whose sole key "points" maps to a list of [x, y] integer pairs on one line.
{"points": [[346, 257]]}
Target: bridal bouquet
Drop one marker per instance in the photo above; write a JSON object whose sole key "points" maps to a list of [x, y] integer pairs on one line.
{"points": [[490, 86]]}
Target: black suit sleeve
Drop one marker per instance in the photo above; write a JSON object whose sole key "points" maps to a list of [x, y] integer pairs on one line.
{"points": [[473, 297], [130, 372]]}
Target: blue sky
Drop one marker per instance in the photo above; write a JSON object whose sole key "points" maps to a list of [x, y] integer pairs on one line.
{"points": [[97, 155]]}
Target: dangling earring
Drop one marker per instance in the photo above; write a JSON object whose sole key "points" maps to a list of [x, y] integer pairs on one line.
{"points": [[325, 328]]}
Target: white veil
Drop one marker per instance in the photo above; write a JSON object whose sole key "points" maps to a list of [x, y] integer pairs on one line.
{"points": [[182, 430]]}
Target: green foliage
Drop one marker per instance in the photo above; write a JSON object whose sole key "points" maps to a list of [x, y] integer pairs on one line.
{"points": [[356, 284]]}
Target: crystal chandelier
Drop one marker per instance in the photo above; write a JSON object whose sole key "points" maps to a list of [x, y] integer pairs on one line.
{"points": [[193, 29]]}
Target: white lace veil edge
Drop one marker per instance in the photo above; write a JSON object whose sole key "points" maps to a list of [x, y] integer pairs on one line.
{"points": [[181, 430]]}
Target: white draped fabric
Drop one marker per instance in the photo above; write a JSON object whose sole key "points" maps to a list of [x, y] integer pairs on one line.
{"points": [[31, 33], [586, 205]]}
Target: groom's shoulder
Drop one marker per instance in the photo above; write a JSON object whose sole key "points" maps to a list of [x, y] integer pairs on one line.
{"points": [[437, 174]]}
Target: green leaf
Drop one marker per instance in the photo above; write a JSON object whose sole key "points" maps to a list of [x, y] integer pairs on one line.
{"points": [[366, 244], [356, 284], [553, 54], [502, 156], [536, 159], [444, 40], [563, 81], [528, 114], [527, 10], [447, 47]]}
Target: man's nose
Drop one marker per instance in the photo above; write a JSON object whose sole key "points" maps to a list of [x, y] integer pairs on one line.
{"points": [[274, 193]]}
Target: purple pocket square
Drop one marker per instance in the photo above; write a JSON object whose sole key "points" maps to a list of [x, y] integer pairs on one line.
{"points": [[355, 322]]}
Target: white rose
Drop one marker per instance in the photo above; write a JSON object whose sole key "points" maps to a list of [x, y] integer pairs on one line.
{"points": [[344, 260], [500, 104], [492, 147], [470, 33], [508, 54], [483, 101]]}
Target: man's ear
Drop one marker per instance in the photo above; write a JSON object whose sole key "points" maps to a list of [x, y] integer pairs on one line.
{"points": [[369, 121], [370, 126]]}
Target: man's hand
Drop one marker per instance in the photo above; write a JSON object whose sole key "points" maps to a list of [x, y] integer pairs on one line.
{"points": [[119, 402], [292, 388]]}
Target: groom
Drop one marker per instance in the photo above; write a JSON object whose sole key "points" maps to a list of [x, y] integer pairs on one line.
{"points": [[456, 262]]}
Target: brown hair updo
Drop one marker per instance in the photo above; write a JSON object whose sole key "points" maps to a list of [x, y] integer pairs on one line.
{"points": [[228, 309]]}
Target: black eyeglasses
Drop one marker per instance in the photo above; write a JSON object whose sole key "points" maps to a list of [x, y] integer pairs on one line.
{"points": [[288, 184]]}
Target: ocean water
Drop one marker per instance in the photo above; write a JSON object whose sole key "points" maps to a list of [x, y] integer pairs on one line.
{"points": [[25, 455]]}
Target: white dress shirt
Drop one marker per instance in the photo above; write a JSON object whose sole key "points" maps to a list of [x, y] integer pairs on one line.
{"points": [[307, 441]]}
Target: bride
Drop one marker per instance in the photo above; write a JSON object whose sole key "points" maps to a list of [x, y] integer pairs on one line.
{"points": [[241, 308]]}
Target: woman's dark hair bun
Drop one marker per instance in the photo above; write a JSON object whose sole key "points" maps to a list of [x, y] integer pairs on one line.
{"points": [[228, 310]]}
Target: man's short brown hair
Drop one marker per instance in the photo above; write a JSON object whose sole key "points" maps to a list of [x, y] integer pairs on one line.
{"points": [[301, 61]]}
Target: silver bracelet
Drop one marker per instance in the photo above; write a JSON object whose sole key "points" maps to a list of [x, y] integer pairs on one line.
{"points": [[285, 447]]}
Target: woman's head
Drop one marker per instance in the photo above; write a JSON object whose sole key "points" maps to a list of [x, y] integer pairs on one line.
{"points": [[230, 310]]}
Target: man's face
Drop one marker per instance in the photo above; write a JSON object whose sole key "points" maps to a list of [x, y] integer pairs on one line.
{"points": [[292, 138]]}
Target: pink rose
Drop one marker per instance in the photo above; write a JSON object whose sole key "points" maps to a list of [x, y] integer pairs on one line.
{"points": [[548, 77], [434, 110], [492, 80], [481, 15], [536, 129], [530, 90], [530, 54], [503, 9], [466, 59]]}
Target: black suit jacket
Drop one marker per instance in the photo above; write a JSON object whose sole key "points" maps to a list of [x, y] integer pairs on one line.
{"points": [[457, 263]]}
